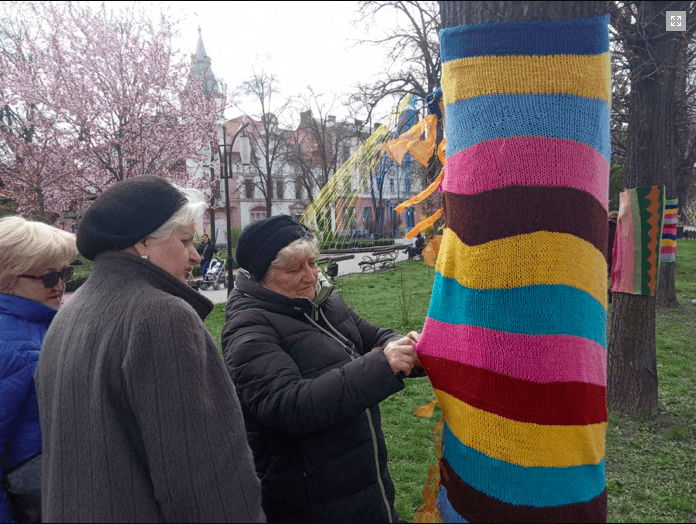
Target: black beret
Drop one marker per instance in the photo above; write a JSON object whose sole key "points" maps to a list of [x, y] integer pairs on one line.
{"points": [[126, 213], [260, 242]]}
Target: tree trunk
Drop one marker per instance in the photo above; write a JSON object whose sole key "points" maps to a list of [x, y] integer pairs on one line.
{"points": [[666, 292], [652, 159], [39, 195], [460, 13], [211, 211], [269, 195], [632, 363], [478, 497]]}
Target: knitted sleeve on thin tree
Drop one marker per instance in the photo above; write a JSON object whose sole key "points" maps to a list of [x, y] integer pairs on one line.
{"points": [[515, 338]]}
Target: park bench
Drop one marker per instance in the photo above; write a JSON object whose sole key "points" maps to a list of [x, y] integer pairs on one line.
{"points": [[381, 258]]}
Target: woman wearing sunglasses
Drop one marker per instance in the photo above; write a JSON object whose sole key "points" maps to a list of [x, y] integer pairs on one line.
{"points": [[34, 260], [140, 419]]}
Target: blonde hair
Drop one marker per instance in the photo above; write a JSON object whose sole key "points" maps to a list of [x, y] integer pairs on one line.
{"points": [[27, 247], [186, 215]]}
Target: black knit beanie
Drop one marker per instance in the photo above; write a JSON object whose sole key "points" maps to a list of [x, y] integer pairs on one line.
{"points": [[126, 213], [260, 242]]}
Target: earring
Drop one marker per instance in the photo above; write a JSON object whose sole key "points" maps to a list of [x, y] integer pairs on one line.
{"points": [[146, 256]]}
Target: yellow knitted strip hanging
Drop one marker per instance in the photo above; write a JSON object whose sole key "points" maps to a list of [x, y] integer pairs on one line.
{"points": [[425, 223], [432, 250], [441, 151], [425, 411], [410, 142], [423, 194], [428, 511]]}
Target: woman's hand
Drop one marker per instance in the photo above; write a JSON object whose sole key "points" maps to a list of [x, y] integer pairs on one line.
{"points": [[413, 335], [401, 353]]}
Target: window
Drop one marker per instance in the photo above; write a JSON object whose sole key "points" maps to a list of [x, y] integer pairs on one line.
{"points": [[257, 215], [367, 217], [391, 185], [280, 189], [249, 189], [298, 190], [349, 218], [346, 153]]}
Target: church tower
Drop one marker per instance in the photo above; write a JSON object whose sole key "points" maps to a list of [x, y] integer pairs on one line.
{"points": [[201, 66]]}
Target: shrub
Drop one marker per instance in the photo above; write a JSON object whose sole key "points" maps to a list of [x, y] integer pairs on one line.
{"points": [[80, 274]]}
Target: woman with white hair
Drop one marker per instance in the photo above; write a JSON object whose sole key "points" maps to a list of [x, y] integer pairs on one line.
{"points": [[310, 374], [34, 260], [141, 421]]}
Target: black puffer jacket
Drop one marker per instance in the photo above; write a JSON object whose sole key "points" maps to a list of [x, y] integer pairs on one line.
{"points": [[310, 403]]}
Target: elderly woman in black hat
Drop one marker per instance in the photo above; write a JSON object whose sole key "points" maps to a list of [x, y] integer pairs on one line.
{"points": [[310, 374], [140, 419]]}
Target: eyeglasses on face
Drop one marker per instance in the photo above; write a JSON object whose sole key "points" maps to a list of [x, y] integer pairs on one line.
{"points": [[51, 279]]}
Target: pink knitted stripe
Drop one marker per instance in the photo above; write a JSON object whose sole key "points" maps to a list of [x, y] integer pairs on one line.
{"points": [[668, 250], [537, 358], [623, 254], [528, 161]]}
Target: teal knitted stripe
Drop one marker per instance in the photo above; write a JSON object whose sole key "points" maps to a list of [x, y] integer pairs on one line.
{"points": [[542, 309]]}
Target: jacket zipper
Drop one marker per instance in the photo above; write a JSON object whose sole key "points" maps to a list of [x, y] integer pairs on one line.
{"points": [[349, 348]]}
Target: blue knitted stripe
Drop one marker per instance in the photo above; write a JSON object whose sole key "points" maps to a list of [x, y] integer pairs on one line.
{"points": [[585, 120], [584, 36], [541, 309], [531, 486]]}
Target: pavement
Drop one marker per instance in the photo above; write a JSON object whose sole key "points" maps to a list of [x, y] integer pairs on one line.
{"points": [[345, 267]]}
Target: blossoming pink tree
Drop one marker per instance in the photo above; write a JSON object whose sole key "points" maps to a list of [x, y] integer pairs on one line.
{"points": [[95, 97]]}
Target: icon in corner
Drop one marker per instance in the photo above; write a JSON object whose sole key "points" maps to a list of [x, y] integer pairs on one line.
{"points": [[676, 20]]}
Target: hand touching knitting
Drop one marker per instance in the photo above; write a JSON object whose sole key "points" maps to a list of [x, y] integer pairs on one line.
{"points": [[401, 354]]}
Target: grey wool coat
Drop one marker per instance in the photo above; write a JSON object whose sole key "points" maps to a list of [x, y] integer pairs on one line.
{"points": [[140, 419]]}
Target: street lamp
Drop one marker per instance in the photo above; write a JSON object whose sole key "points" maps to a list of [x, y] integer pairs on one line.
{"points": [[226, 173]]}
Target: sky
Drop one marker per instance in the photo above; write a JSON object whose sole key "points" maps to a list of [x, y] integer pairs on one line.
{"points": [[302, 43]]}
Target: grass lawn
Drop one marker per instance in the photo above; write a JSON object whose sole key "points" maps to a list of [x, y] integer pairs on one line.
{"points": [[651, 463]]}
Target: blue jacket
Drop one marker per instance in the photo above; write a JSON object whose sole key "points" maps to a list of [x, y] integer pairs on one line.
{"points": [[23, 325]]}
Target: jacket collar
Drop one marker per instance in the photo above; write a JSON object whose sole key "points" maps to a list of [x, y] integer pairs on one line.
{"points": [[26, 309], [131, 267], [264, 297]]}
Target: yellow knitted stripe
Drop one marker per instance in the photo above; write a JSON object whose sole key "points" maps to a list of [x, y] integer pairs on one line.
{"points": [[531, 259], [668, 242], [582, 75], [523, 443]]}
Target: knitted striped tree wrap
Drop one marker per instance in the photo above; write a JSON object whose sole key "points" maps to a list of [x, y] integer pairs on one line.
{"points": [[668, 248], [514, 341], [636, 255]]}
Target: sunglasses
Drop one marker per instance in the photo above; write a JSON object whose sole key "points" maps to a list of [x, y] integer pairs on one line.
{"points": [[51, 279]]}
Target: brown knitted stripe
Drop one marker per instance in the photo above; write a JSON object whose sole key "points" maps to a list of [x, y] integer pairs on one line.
{"points": [[516, 210], [476, 506]]}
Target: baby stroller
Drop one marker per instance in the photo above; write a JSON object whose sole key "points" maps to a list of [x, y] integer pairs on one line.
{"points": [[215, 276]]}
